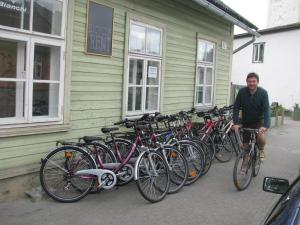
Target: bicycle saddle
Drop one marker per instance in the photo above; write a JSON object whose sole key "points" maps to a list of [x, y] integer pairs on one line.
{"points": [[91, 138], [109, 129]]}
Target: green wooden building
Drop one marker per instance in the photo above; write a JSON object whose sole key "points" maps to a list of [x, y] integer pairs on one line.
{"points": [[70, 67]]}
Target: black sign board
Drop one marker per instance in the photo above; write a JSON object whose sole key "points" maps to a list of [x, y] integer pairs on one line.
{"points": [[99, 29]]}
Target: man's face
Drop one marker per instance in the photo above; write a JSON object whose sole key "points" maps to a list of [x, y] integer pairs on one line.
{"points": [[252, 83]]}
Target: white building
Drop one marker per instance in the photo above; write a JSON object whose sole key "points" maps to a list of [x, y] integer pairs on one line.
{"points": [[275, 56], [283, 12]]}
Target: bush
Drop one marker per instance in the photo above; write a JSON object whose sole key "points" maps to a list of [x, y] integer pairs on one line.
{"points": [[275, 107]]}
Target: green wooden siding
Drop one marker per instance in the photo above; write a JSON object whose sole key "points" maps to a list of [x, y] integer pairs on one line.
{"points": [[97, 82]]}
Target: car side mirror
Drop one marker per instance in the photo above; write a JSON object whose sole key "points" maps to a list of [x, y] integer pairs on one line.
{"points": [[275, 185]]}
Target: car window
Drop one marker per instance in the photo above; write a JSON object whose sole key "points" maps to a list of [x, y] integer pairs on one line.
{"points": [[283, 208]]}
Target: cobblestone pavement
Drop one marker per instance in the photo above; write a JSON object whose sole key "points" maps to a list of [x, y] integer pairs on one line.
{"points": [[213, 200]]}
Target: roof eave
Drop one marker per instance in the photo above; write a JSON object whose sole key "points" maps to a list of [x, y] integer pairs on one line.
{"points": [[221, 12]]}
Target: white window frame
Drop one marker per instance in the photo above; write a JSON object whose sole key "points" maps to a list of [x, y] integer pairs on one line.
{"points": [[205, 65], [257, 51], [30, 38], [30, 31], [145, 57]]}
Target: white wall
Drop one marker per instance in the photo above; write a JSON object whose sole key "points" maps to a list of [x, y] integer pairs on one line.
{"points": [[280, 71], [282, 12]]}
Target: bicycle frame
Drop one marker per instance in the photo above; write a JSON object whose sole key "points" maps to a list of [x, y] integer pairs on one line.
{"points": [[119, 166]]}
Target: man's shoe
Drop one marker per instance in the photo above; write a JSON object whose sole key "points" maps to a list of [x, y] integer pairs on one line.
{"points": [[262, 155]]}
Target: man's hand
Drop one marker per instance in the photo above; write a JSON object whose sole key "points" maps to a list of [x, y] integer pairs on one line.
{"points": [[262, 130]]}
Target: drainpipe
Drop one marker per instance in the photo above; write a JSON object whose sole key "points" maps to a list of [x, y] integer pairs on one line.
{"points": [[226, 16], [244, 45]]}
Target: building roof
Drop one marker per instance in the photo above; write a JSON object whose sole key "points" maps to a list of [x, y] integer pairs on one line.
{"points": [[278, 29], [221, 5], [221, 9]]}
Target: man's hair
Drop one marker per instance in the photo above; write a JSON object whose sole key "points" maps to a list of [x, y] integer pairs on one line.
{"points": [[251, 75]]}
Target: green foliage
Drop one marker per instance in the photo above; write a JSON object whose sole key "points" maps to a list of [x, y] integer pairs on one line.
{"points": [[277, 108]]}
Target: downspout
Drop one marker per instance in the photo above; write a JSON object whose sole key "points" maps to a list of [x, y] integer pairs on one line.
{"points": [[244, 45]]}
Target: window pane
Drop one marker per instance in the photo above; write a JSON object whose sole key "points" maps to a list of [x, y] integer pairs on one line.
{"points": [[137, 38], [15, 13], [209, 56], [255, 53], [200, 95], [12, 66], [153, 70], [209, 76], [47, 16], [12, 99], [261, 53], [45, 99], [152, 98], [134, 99], [46, 63], [208, 94], [205, 51], [136, 67], [201, 51], [201, 74], [153, 41]]}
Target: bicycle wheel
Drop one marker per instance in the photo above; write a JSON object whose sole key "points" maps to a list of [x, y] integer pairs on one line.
{"points": [[234, 142], [124, 146], [208, 157], [178, 167], [256, 161], [207, 153], [152, 176], [207, 139], [241, 179], [195, 159], [224, 148], [57, 174]]}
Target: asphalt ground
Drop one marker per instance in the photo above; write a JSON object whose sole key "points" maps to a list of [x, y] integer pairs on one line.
{"points": [[213, 200]]}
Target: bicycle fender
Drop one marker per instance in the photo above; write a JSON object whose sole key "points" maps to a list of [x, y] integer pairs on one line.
{"points": [[136, 164]]}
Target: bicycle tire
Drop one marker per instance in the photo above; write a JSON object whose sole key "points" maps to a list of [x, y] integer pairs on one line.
{"points": [[143, 172], [256, 161], [236, 173], [195, 159], [234, 142], [209, 142], [224, 148], [179, 168], [67, 153], [207, 153], [208, 157]]}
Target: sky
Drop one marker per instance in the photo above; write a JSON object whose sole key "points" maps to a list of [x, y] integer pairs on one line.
{"points": [[256, 11]]}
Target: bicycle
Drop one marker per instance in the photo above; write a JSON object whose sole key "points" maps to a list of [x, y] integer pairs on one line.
{"points": [[193, 152], [75, 172], [214, 136], [242, 179]]}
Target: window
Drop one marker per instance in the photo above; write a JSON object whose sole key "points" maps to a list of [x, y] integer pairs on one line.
{"points": [[31, 63], [205, 73], [144, 68], [258, 52], [15, 13]]}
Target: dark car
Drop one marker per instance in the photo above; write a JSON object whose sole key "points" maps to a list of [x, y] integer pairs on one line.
{"points": [[287, 210]]}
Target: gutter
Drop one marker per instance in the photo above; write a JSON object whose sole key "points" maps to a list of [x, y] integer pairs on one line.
{"points": [[226, 16]]}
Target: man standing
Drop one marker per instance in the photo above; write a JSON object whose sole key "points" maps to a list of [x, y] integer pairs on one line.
{"points": [[254, 103]]}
